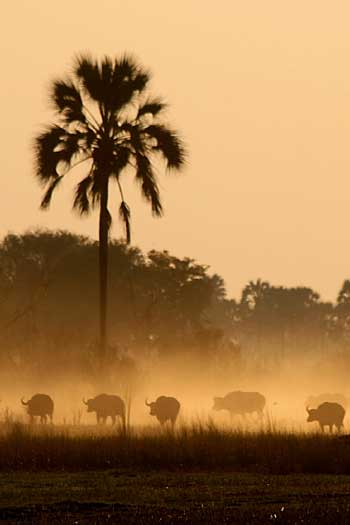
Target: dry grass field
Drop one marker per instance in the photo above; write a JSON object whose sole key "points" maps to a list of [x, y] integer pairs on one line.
{"points": [[197, 473], [200, 445]]}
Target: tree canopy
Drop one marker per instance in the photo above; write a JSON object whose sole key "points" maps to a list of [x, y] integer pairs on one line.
{"points": [[161, 305]]}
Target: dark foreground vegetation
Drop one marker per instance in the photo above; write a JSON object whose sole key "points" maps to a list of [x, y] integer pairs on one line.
{"points": [[197, 446], [198, 473], [135, 497]]}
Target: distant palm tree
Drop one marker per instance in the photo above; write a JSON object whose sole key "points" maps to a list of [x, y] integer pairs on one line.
{"points": [[106, 120]]}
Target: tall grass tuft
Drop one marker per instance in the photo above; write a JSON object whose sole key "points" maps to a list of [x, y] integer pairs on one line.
{"points": [[198, 445]]}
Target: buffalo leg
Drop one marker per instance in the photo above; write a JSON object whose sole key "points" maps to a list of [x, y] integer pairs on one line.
{"points": [[113, 420]]}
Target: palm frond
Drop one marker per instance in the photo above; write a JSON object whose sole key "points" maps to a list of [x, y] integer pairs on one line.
{"points": [[168, 144], [140, 80], [121, 160], [124, 213], [81, 198], [46, 200], [125, 67], [88, 74], [149, 186], [68, 102], [47, 157], [106, 70], [97, 186], [136, 138], [151, 106], [129, 80], [127, 70], [72, 145], [89, 138]]}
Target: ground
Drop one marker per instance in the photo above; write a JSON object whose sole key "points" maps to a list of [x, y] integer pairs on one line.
{"points": [[123, 496]]}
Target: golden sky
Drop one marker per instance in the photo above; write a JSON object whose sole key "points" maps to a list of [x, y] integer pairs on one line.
{"points": [[260, 90]]}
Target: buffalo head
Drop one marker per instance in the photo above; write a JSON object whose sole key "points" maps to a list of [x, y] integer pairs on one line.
{"points": [[218, 403], [312, 414], [152, 407], [89, 403]]}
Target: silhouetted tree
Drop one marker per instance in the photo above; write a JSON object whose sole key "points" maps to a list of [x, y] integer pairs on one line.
{"points": [[171, 298], [49, 298], [339, 321], [160, 305], [281, 318], [105, 119]]}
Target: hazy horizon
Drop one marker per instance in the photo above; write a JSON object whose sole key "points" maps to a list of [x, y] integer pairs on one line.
{"points": [[259, 92]]}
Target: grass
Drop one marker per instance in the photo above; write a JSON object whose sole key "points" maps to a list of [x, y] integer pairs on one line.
{"points": [[201, 446], [198, 473], [132, 496]]}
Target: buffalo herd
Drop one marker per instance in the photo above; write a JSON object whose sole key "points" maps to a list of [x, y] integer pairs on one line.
{"points": [[328, 410]]}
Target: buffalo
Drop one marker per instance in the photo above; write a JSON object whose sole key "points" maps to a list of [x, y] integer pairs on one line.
{"points": [[106, 405], [327, 414], [241, 403], [164, 409], [39, 405], [315, 401]]}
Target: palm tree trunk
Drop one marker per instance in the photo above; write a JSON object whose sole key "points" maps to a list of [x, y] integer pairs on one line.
{"points": [[103, 270]]}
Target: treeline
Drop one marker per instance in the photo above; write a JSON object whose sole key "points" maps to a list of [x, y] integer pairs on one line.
{"points": [[160, 306], [49, 302]]}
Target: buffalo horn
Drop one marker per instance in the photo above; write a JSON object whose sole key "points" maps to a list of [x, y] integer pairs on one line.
{"points": [[23, 402], [147, 404], [85, 402], [308, 410]]}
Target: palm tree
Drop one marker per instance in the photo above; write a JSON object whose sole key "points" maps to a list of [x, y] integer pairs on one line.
{"points": [[106, 120]]}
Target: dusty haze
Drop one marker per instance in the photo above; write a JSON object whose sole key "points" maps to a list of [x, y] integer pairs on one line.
{"points": [[261, 93], [286, 387]]}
